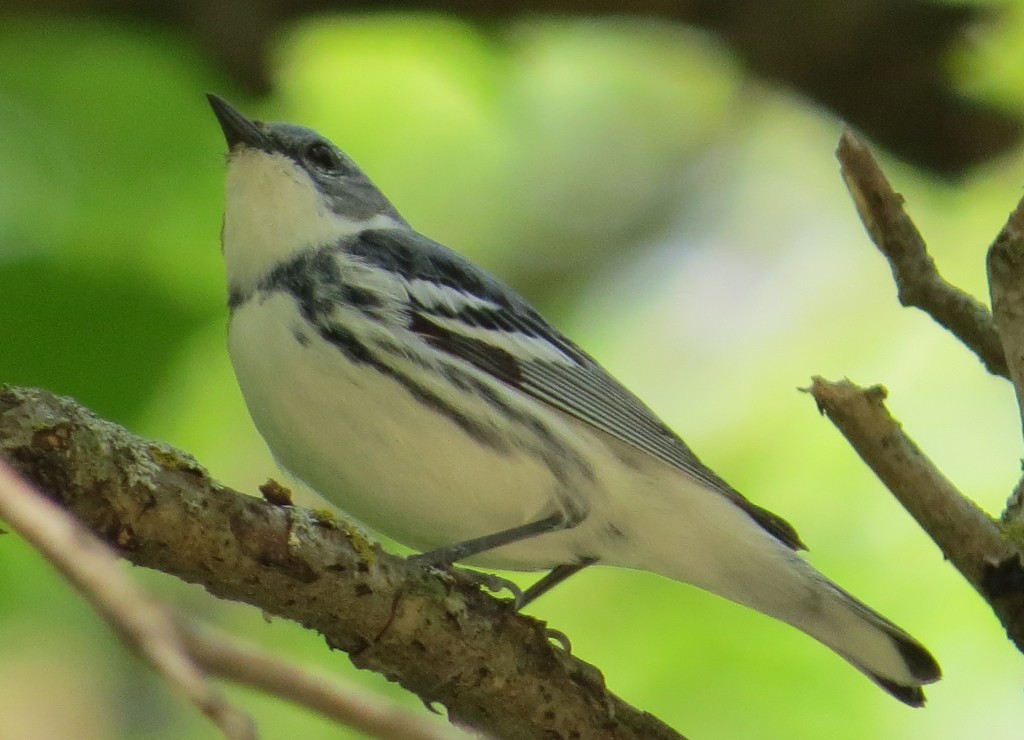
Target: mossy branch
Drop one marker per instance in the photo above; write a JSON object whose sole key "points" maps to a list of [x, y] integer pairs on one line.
{"points": [[434, 633]]}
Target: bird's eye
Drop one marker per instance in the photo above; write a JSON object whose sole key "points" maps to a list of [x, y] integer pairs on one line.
{"points": [[323, 156]]}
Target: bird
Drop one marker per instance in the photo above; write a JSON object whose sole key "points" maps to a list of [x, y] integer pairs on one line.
{"points": [[435, 405]]}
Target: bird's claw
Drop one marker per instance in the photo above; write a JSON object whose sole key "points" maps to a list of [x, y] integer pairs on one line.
{"points": [[494, 584], [497, 584], [560, 637]]}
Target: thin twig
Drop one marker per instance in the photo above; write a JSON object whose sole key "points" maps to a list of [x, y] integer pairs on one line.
{"points": [[918, 282], [967, 536], [227, 657], [93, 569]]}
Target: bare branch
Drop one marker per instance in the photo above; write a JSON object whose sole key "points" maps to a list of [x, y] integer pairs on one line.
{"points": [[435, 634], [1005, 261], [1006, 286], [967, 536], [146, 627], [223, 655], [918, 282], [182, 650]]}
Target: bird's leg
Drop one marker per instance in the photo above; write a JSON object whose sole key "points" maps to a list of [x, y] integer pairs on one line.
{"points": [[461, 550], [450, 554], [558, 574]]}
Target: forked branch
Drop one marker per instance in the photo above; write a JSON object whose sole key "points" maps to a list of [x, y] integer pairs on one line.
{"points": [[986, 553]]}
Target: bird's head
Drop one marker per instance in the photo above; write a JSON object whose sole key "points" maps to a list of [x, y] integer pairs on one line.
{"points": [[288, 189]]}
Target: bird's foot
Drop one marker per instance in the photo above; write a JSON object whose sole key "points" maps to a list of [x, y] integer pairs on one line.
{"points": [[489, 581]]}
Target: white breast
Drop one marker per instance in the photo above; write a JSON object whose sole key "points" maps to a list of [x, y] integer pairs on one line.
{"points": [[365, 444]]}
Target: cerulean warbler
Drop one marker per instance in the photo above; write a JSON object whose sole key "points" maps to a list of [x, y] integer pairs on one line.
{"points": [[433, 403]]}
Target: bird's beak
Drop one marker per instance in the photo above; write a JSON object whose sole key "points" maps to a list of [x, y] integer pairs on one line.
{"points": [[238, 130]]}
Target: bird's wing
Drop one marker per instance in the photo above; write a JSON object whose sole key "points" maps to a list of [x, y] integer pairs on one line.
{"points": [[461, 310]]}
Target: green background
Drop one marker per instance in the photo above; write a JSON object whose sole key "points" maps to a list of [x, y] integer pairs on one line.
{"points": [[683, 223]]}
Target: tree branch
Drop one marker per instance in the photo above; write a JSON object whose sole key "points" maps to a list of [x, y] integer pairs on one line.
{"points": [[435, 634], [988, 555], [918, 282], [967, 536], [224, 656], [1005, 262], [146, 627], [183, 651]]}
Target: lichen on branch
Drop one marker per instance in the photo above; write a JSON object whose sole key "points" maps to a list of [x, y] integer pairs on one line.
{"points": [[434, 633]]}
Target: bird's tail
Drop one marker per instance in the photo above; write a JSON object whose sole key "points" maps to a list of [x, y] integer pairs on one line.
{"points": [[870, 643], [725, 552]]}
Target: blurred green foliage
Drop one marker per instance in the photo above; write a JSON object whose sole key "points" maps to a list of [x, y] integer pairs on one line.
{"points": [[686, 225]]}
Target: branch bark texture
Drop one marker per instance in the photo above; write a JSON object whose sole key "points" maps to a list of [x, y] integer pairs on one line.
{"points": [[141, 623], [967, 536], [989, 555], [918, 281], [435, 634], [1005, 264]]}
